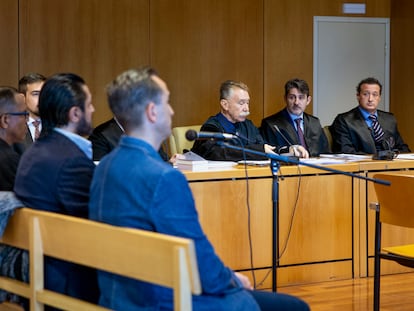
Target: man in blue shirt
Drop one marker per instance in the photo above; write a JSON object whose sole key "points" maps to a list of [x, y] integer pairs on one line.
{"points": [[133, 187], [55, 173]]}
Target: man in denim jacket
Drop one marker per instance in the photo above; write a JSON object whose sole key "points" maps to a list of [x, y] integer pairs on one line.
{"points": [[133, 187]]}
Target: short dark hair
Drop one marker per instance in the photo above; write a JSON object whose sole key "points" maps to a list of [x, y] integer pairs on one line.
{"points": [[30, 78], [226, 87], [7, 98], [130, 92], [369, 80], [59, 94], [299, 84]]}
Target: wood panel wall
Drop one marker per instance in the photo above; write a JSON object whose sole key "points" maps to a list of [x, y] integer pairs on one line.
{"points": [[195, 45], [9, 46], [402, 67]]}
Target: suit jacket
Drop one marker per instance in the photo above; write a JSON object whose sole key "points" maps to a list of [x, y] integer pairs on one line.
{"points": [[105, 137], [350, 133], [315, 137], [28, 141], [55, 175], [9, 159]]}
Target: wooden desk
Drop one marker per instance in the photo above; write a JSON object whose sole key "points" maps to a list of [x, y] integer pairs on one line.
{"points": [[331, 233], [307, 196]]}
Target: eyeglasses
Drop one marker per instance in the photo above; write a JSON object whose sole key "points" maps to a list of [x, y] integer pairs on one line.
{"points": [[22, 113]]}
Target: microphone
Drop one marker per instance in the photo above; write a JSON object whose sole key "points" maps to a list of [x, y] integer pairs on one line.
{"points": [[193, 135], [283, 136]]}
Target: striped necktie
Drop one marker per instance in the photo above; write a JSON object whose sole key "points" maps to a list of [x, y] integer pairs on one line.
{"points": [[36, 124], [377, 131]]}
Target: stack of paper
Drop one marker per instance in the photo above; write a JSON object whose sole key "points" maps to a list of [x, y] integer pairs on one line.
{"points": [[191, 161]]}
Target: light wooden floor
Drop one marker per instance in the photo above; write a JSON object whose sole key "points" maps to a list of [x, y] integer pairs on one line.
{"points": [[397, 294]]}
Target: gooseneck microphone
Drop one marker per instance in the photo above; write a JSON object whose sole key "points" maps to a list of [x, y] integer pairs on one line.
{"points": [[193, 135], [283, 136]]}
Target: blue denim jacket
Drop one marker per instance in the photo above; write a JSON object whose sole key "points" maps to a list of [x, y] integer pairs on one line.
{"points": [[133, 187]]}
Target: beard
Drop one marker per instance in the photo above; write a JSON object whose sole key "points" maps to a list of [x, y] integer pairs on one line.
{"points": [[84, 128]]}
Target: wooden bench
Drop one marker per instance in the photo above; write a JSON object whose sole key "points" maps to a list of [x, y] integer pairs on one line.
{"points": [[151, 257]]}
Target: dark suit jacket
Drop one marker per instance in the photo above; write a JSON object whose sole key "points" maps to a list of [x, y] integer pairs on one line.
{"points": [[315, 137], [350, 133], [9, 159], [250, 138], [28, 141], [105, 138], [55, 175]]}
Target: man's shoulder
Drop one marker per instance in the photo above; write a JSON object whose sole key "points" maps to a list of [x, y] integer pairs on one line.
{"points": [[350, 114], [280, 115], [109, 126]]}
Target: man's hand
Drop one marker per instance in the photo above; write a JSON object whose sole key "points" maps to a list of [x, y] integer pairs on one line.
{"points": [[299, 151], [244, 280], [269, 149]]}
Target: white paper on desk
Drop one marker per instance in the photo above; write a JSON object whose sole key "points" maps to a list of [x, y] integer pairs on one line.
{"points": [[406, 156], [322, 161], [348, 157]]}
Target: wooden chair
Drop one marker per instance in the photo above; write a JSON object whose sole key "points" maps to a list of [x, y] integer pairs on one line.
{"points": [[328, 135], [178, 142], [395, 207], [148, 256]]}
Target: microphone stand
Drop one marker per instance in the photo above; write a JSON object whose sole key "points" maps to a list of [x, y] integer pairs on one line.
{"points": [[275, 160]]}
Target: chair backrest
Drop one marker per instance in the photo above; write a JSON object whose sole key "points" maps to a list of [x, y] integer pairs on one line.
{"points": [[178, 140], [328, 136], [148, 256], [397, 200]]}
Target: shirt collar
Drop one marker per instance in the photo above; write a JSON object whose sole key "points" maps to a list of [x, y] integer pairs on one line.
{"points": [[366, 114], [83, 144], [228, 126]]}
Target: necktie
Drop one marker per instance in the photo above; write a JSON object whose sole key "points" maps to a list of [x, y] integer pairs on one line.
{"points": [[377, 131], [36, 124], [300, 132]]}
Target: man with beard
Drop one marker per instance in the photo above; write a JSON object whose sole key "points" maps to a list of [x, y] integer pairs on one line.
{"points": [[55, 173], [232, 119]]}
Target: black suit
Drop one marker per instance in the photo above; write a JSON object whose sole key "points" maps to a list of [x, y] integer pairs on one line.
{"points": [[315, 137], [26, 143], [350, 133], [105, 138]]}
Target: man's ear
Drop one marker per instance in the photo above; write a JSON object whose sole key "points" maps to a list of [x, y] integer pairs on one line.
{"points": [[224, 104], [75, 114], [308, 100], [4, 121], [151, 112]]}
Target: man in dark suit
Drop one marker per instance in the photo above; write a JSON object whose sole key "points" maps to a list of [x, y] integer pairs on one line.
{"points": [[30, 86], [55, 173], [365, 129], [232, 119], [290, 125], [105, 138]]}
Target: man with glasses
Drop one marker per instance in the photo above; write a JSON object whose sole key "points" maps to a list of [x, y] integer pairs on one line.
{"points": [[232, 119], [13, 117], [292, 125], [365, 129]]}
